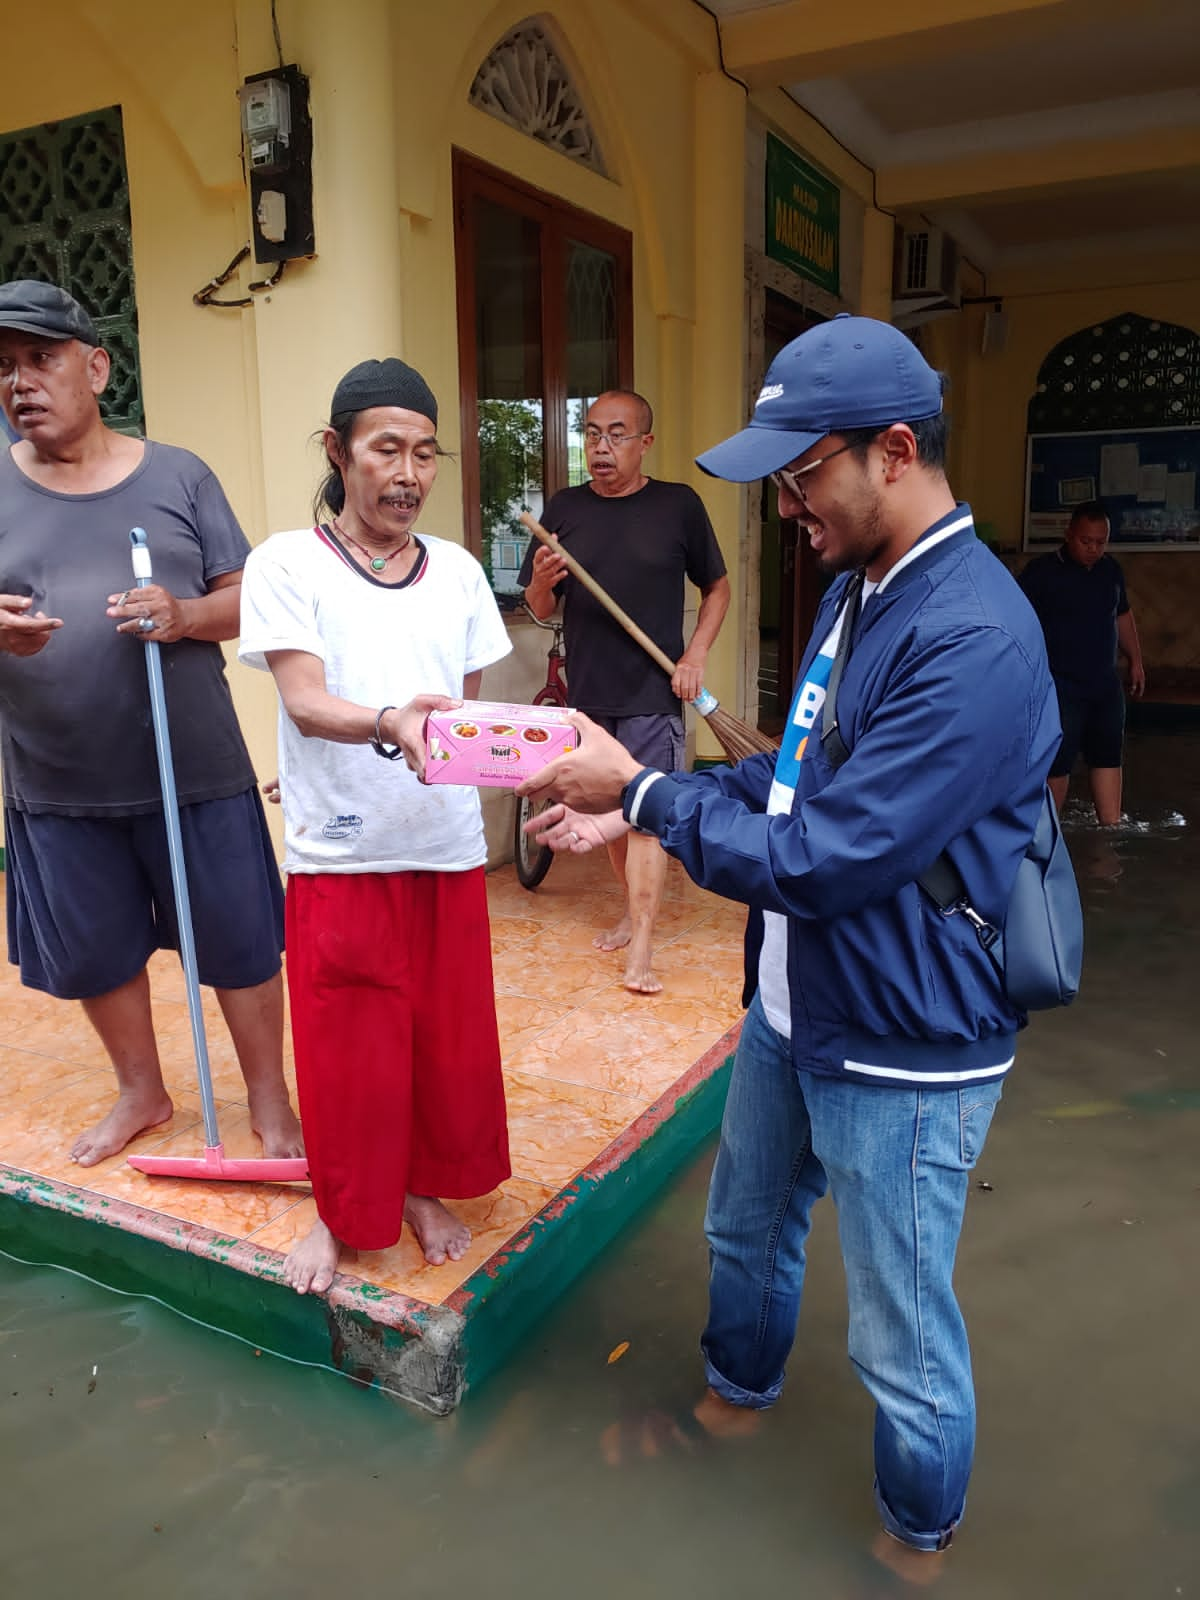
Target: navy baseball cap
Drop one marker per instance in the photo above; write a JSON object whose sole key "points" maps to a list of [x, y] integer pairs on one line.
{"points": [[30, 306], [850, 372]]}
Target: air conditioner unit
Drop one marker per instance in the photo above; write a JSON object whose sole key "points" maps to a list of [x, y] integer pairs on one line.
{"points": [[925, 272]]}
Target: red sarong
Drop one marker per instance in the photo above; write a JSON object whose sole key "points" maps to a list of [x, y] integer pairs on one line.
{"points": [[397, 1050]]}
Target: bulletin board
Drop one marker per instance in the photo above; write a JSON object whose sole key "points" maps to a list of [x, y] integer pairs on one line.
{"points": [[1148, 478]]}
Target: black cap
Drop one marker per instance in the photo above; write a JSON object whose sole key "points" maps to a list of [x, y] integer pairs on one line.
{"points": [[384, 383], [31, 306]]}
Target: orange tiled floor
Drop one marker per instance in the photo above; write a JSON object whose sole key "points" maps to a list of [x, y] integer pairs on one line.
{"points": [[583, 1059]]}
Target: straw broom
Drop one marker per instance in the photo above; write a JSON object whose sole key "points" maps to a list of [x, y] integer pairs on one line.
{"points": [[736, 738]]}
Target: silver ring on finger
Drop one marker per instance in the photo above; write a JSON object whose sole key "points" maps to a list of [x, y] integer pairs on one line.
{"points": [[146, 624], [573, 836]]}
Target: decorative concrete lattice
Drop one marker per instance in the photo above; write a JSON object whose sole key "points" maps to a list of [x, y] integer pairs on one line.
{"points": [[64, 217], [1128, 372], [524, 83]]}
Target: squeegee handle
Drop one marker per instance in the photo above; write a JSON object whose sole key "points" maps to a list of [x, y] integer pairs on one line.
{"points": [[143, 574]]}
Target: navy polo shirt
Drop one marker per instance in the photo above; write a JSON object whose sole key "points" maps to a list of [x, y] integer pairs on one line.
{"points": [[1078, 608]]}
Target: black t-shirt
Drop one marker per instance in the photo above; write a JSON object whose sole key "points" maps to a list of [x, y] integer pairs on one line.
{"points": [[75, 725], [639, 547], [1078, 608]]}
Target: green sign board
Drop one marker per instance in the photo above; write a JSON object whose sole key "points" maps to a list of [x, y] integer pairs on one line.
{"points": [[802, 217]]}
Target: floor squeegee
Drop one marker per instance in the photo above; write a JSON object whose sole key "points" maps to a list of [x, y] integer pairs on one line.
{"points": [[214, 1164]]}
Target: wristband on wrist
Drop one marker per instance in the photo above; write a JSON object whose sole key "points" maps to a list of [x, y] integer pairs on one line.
{"points": [[388, 752]]}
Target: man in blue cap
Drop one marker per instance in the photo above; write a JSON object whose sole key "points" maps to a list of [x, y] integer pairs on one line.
{"points": [[878, 1033]]}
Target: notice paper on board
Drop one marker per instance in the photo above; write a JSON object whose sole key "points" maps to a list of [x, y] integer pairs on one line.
{"points": [[1152, 484], [1181, 490], [1120, 465]]}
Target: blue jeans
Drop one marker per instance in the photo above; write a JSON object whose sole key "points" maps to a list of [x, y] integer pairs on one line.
{"points": [[896, 1161]]}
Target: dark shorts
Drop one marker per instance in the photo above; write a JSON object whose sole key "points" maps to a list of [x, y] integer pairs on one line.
{"points": [[655, 741], [90, 898], [1093, 726]]}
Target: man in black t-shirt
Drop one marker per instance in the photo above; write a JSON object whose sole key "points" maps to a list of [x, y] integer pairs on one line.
{"points": [[1079, 595], [639, 538]]}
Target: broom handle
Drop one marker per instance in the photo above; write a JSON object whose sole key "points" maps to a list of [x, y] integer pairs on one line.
{"points": [[605, 599]]}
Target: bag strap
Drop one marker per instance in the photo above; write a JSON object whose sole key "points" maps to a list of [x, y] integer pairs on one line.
{"points": [[941, 881], [834, 746]]}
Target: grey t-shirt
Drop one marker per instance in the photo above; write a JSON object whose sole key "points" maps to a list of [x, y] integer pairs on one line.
{"points": [[76, 735]]}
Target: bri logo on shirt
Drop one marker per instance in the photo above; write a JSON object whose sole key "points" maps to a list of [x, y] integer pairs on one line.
{"points": [[806, 708], [343, 827]]}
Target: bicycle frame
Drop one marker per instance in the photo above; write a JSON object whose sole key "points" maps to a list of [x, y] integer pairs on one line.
{"points": [[533, 860], [554, 690]]}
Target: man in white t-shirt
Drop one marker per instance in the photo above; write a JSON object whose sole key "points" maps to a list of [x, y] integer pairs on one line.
{"points": [[388, 945]]}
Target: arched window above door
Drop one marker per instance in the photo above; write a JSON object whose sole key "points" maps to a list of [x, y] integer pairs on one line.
{"points": [[1128, 372], [525, 83]]}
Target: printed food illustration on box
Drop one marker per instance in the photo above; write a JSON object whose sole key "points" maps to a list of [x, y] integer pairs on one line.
{"points": [[491, 745]]}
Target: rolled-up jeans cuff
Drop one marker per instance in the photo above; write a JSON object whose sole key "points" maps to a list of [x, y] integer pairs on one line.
{"points": [[915, 1541], [736, 1395]]}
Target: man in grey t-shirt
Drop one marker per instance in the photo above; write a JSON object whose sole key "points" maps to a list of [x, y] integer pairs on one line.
{"points": [[88, 883]]}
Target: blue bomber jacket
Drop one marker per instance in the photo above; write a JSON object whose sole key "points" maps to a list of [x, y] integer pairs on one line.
{"points": [[948, 709]]}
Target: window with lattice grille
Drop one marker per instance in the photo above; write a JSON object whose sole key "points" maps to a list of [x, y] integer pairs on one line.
{"points": [[64, 218], [1128, 372], [525, 83]]}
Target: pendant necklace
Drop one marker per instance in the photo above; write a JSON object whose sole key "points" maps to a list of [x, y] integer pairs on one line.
{"points": [[378, 563]]}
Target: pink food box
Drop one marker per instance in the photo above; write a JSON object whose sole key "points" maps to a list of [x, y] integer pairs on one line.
{"points": [[493, 746]]}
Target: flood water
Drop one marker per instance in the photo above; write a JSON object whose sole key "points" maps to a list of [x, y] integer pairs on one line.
{"points": [[191, 1466]]}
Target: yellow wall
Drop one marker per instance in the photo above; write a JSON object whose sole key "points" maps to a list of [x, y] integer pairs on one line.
{"points": [[989, 396], [389, 83], [174, 72]]}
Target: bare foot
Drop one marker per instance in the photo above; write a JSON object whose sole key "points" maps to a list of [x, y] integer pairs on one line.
{"points": [[278, 1126], [647, 1436], [723, 1420], [312, 1264], [616, 938], [132, 1114], [440, 1234], [639, 973], [919, 1568]]}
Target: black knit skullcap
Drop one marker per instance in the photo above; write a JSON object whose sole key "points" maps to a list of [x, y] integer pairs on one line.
{"points": [[384, 383]]}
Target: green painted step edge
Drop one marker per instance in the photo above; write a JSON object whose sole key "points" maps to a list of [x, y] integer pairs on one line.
{"points": [[497, 1308], [266, 1313], [500, 1307]]}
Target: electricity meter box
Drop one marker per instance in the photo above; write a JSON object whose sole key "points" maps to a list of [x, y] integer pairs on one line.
{"points": [[266, 124], [277, 148]]}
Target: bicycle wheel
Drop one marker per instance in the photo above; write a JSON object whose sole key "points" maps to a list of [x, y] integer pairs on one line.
{"points": [[532, 860]]}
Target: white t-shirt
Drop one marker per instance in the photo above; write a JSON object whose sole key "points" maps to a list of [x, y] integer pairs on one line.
{"points": [[345, 809]]}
